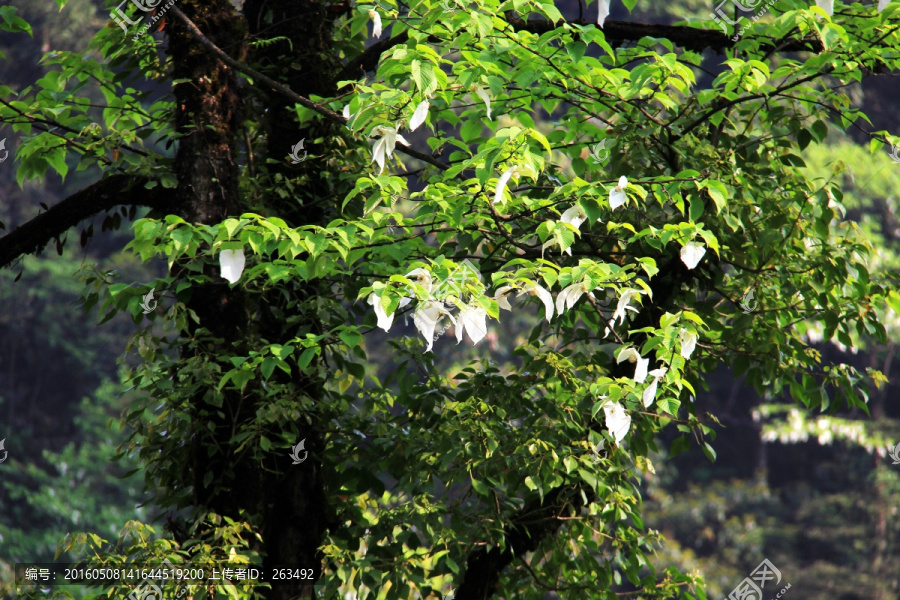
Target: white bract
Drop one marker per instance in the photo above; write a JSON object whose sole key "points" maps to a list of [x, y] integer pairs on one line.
{"points": [[422, 277], [384, 320], [691, 253], [650, 392], [632, 355], [617, 195], [231, 263], [501, 183], [481, 93], [569, 296], [617, 420], [602, 12], [426, 319], [574, 216], [385, 145], [624, 306], [535, 289], [688, 342], [376, 18], [826, 5], [472, 319], [501, 297], [419, 115]]}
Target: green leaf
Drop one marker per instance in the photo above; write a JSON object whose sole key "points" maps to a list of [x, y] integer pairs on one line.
{"points": [[423, 76], [350, 337], [57, 159], [13, 23], [718, 192], [679, 445], [305, 358], [588, 477], [268, 366], [709, 451]]}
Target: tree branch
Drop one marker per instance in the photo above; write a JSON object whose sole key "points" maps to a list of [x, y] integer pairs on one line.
{"points": [[107, 193], [616, 32], [284, 90], [368, 59], [535, 522]]}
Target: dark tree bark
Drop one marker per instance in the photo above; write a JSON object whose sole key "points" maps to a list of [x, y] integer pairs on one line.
{"points": [[104, 195], [287, 504], [533, 524]]}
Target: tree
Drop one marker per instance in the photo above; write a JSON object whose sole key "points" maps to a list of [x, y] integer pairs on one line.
{"points": [[635, 189]]}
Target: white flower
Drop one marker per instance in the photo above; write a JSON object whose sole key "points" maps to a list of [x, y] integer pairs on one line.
{"points": [[384, 320], [231, 263], [826, 5], [602, 12], [422, 277], [632, 355], [426, 319], [650, 391], [346, 112], [617, 420], [569, 296], [376, 31], [545, 297], [575, 216], [882, 4], [419, 115], [617, 195], [688, 342], [691, 253], [479, 91], [501, 183], [385, 145], [623, 306], [501, 298], [473, 320]]}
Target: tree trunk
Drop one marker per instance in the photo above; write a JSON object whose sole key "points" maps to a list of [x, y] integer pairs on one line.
{"points": [[286, 503]]}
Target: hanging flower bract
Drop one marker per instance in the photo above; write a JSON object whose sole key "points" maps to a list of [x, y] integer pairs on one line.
{"points": [[376, 19], [617, 420], [231, 264], [617, 195], [691, 253]]}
